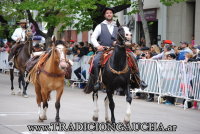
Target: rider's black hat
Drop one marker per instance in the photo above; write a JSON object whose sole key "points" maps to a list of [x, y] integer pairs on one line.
{"points": [[108, 8]]}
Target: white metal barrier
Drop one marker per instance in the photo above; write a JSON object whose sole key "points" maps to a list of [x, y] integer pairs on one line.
{"points": [[4, 61], [171, 78], [83, 63]]}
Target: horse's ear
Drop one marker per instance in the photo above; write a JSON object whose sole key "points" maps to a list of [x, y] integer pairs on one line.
{"points": [[53, 39], [117, 22]]}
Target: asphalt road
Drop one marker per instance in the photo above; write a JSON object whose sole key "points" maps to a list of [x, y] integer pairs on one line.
{"points": [[17, 112]]}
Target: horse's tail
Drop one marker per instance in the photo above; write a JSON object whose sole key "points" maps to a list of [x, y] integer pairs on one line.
{"points": [[90, 85]]}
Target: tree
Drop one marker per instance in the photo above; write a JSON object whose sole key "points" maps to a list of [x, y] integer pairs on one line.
{"points": [[144, 22], [60, 13]]}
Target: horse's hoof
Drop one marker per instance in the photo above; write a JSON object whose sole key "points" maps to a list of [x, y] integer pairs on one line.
{"points": [[19, 93], [25, 95], [45, 118], [12, 92], [95, 118], [108, 121], [57, 120], [126, 122], [40, 120]]}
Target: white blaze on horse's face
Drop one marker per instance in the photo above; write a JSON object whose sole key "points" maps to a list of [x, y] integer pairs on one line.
{"points": [[60, 49], [128, 34]]}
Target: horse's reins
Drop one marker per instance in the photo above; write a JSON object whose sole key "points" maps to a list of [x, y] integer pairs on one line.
{"points": [[124, 41], [41, 69]]}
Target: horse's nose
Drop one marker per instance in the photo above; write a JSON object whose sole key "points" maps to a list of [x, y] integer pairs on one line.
{"points": [[63, 65]]}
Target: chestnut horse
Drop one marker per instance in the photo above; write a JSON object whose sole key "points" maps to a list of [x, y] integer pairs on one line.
{"points": [[47, 75]]}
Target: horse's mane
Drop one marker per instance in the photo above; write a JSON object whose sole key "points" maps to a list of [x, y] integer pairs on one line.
{"points": [[32, 75]]}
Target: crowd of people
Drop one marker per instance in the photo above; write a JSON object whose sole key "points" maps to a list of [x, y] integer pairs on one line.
{"points": [[167, 50]]}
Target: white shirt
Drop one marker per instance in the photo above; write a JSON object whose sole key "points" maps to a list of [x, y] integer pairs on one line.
{"points": [[19, 33], [97, 32]]}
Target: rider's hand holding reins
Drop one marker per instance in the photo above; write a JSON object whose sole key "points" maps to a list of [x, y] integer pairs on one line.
{"points": [[18, 39], [100, 48]]}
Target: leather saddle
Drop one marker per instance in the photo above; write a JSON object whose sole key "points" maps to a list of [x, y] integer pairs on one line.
{"points": [[106, 56]]}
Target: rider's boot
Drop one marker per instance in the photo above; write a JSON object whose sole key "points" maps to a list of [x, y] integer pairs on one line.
{"points": [[136, 82], [96, 75], [143, 85]]}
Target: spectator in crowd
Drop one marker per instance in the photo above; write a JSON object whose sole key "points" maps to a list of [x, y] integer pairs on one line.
{"points": [[77, 55], [196, 55], [142, 42], [83, 49], [193, 40], [168, 99], [184, 49], [137, 53], [37, 48], [163, 43], [76, 58], [91, 51], [155, 50], [171, 56], [167, 49]]}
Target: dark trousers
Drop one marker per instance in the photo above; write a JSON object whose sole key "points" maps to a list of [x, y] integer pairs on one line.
{"points": [[78, 72], [97, 59]]}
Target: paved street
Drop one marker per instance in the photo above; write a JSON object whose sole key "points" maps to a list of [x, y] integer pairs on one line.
{"points": [[17, 112]]}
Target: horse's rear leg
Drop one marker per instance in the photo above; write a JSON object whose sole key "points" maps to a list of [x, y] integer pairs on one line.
{"points": [[111, 105], [96, 109], [20, 84], [57, 104], [24, 84], [128, 110], [11, 79]]}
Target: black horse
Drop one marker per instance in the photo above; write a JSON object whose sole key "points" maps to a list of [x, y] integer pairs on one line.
{"points": [[115, 74], [20, 60]]}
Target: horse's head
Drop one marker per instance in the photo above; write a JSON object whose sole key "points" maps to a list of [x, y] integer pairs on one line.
{"points": [[124, 36], [29, 33], [61, 51]]}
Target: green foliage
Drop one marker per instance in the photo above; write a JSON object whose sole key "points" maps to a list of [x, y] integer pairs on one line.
{"points": [[171, 2], [68, 13]]}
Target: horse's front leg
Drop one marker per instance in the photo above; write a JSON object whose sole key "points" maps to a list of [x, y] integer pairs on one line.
{"points": [[11, 79], [43, 111], [106, 104], [111, 104], [96, 109], [128, 101], [39, 100], [57, 104]]}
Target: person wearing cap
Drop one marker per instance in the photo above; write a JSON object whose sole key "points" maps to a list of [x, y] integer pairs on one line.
{"points": [[19, 33], [196, 54], [18, 36], [184, 50], [104, 35]]}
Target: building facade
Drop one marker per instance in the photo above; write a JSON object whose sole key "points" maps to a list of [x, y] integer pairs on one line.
{"points": [[179, 22]]}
